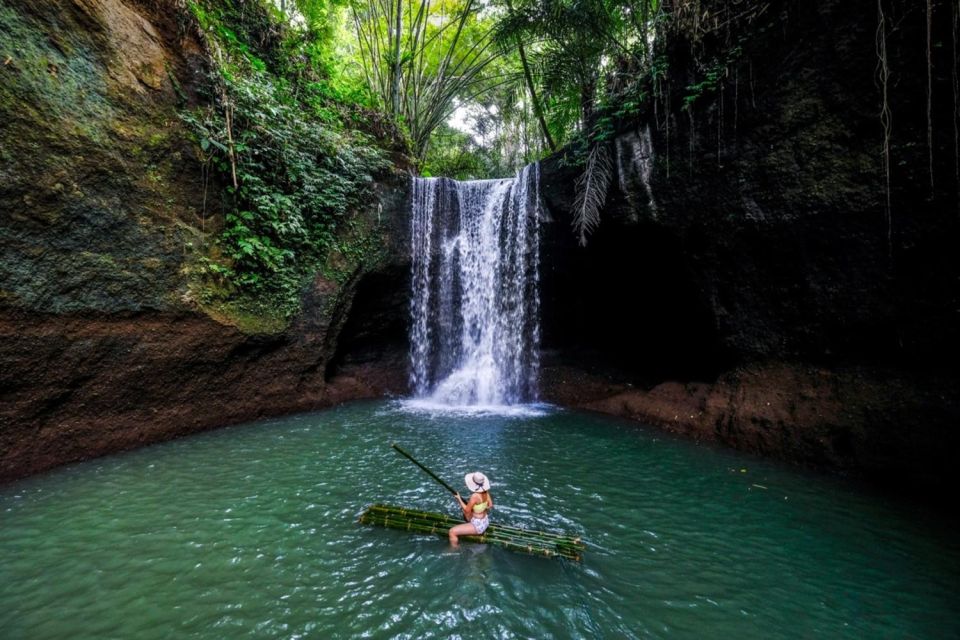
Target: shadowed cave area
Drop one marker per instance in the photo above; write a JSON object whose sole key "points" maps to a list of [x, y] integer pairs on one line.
{"points": [[376, 327], [625, 304]]}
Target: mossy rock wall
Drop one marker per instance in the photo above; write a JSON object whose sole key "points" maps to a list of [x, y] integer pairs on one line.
{"points": [[103, 198], [105, 207]]}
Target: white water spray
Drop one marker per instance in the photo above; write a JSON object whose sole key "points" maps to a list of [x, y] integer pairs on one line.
{"points": [[475, 330]]}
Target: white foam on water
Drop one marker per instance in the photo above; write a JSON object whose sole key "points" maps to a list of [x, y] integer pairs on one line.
{"points": [[428, 406]]}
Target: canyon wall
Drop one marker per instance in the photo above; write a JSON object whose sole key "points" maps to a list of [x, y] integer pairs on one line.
{"points": [[105, 207], [747, 283]]}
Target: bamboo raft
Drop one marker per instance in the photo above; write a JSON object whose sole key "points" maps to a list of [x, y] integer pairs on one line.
{"points": [[551, 545]]}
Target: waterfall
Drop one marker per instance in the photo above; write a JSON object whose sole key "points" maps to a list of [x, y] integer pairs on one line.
{"points": [[474, 307]]}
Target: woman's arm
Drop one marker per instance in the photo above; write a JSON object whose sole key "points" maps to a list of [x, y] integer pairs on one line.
{"points": [[468, 506]]}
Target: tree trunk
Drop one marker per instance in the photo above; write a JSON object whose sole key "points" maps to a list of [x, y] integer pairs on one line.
{"points": [[588, 88], [533, 92], [395, 80]]}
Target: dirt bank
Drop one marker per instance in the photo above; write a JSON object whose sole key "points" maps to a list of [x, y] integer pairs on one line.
{"points": [[884, 425], [76, 387]]}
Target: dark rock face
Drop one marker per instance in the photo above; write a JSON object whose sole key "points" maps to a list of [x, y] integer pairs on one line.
{"points": [[777, 206], [373, 330], [101, 193], [629, 297], [763, 249], [377, 328], [103, 206]]}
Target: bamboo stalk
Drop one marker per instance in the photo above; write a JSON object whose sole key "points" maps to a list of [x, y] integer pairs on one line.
{"points": [[490, 535], [531, 547], [449, 521], [512, 538]]}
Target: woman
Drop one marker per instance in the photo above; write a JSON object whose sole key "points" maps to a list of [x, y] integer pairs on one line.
{"points": [[475, 510]]}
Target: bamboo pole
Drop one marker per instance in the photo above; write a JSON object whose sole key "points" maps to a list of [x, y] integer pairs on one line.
{"points": [[512, 538], [430, 473], [526, 546], [411, 513]]}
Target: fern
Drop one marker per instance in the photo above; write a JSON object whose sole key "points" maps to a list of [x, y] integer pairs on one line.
{"points": [[591, 190]]}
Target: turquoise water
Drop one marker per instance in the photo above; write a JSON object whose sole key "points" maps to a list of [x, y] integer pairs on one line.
{"points": [[251, 531]]}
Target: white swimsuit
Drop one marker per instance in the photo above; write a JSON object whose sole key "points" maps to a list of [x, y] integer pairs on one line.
{"points": [[480, 524], [480, 521]]}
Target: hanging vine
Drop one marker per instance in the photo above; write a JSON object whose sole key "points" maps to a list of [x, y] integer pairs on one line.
{"points": [[955, 32], [930, 91], [720, 125], [883, 75], [693, 141], [666, 124], [736, 103]]}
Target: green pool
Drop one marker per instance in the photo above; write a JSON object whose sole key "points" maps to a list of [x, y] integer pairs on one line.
{"points": [[251, 531]]}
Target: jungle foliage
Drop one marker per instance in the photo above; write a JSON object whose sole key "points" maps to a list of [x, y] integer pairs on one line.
{"points": [[288, 145], [419, 58], [523, 78], [305, 95]]}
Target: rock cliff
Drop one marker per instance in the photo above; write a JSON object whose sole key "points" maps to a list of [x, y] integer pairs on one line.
{"points": [[747, 283], [104, 206]]}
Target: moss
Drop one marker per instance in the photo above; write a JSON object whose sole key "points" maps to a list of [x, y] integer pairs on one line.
{"points": [[93, 185], [56, 85], [154, 175], [92, 259], [157, 139], [361, 246], [235, 315]]}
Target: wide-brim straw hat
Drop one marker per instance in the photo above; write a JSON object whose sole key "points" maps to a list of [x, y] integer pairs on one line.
{"points": [[476, 481]]}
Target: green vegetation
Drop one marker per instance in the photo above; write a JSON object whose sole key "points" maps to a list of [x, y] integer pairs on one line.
{"points": [[286, 145], [305, 95], [713, 76], [419, 58]]}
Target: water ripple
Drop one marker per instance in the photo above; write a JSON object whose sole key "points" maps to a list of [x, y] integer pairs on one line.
{"points": [[251, 531]]}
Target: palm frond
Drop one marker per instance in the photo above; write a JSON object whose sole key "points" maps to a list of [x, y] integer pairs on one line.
{"points": [[591, 190]]}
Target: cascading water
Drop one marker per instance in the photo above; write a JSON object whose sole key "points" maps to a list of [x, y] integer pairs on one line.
{"points": [[475, 330]]}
